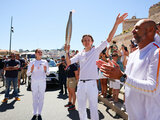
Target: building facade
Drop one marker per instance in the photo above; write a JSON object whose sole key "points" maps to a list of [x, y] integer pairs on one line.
{"points": [[126, 35]]}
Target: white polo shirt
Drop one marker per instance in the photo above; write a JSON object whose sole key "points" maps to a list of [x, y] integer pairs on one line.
{"points": [[87, 61]]}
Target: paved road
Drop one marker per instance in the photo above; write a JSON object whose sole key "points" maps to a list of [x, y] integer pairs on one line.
{"points": [[53, 107]]}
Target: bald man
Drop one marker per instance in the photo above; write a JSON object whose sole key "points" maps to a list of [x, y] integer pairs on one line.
{"points": [[142, 81]]}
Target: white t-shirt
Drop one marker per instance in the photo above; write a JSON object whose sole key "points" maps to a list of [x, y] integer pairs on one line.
{"points": [[87, 61], [142, 87], [38, 73]]}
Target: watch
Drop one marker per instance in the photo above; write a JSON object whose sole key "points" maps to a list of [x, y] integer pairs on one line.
{"points": [[123, 78]]}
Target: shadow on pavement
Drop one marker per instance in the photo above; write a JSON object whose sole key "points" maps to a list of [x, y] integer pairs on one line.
{"points": [[1, 86], [11, 96], [52, 88], [101, 116], [4, 106], [62, 96], [49, 88], [116, 116], [2, 92], [73, 115]]}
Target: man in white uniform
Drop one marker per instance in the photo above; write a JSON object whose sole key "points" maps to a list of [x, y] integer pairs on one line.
{"points": [[38, 69], [87, 85], [142, 86]]}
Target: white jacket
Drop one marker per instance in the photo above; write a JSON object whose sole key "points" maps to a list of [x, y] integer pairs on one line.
{"points": [[38, 73], [142, 89]]}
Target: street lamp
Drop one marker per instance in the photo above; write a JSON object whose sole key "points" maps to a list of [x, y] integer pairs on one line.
{"points": [[11, 31]]}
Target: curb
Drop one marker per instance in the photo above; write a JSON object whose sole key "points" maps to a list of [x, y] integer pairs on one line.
{"points": [[124, 115]]}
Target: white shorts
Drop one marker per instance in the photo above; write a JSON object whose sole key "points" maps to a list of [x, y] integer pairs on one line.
{"points": [[114, 85]]}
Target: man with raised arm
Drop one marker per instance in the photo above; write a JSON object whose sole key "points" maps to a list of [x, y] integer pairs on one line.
{"points": [[87, 86]]}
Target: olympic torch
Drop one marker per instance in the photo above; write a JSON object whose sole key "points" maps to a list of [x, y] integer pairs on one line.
{"points": [[69, 30]]}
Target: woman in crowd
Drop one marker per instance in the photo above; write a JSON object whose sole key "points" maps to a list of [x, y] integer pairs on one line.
{"points": [[116, 85], [72, 73], [103, 79]]}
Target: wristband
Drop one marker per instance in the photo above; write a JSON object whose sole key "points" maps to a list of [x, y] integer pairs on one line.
{"points": [[123, 78]]}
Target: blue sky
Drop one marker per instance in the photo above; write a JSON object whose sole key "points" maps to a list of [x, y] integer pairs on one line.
{"points": [[42, 23]]}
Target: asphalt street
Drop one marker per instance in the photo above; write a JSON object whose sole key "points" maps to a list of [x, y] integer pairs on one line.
{"points": [[53, 108]]}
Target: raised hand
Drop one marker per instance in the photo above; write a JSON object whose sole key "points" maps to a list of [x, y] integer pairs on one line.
{"points": [[67, 48], [121, 18], [115, 64], [99, 63], [111, 71]]}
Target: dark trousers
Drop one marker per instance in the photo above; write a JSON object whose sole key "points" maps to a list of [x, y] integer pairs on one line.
{"points": [[62, 80], [8, 84]]}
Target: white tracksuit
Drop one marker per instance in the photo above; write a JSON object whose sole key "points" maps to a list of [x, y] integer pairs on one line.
{"points": [[88, 90], [142, 87], [38, 83]]}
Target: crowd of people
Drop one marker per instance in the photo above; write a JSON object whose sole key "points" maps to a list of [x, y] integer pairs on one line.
{"points": [[136, 67], [12, 69]]}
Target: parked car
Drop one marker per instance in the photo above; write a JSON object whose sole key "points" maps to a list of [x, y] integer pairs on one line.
{"points": [[52, 78]]}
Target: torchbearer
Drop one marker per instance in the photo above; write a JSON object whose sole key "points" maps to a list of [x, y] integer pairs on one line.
{"points": [[142, 79], [87, 86], [38, 69]]}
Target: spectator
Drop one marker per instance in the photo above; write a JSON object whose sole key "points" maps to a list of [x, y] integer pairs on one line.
{"points": [[77, 51], [24, 71], [11, 68], [113, 47], [1, 68], [62, 74], [116, 85], [73, 53], [157, 36], [72, 80], [158, 28], [22, 64], [124, 55], [103, 79], [132, 46]]}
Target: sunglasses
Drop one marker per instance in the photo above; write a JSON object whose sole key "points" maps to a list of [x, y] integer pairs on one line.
{"points": [[114, 55], [39, 52]]}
